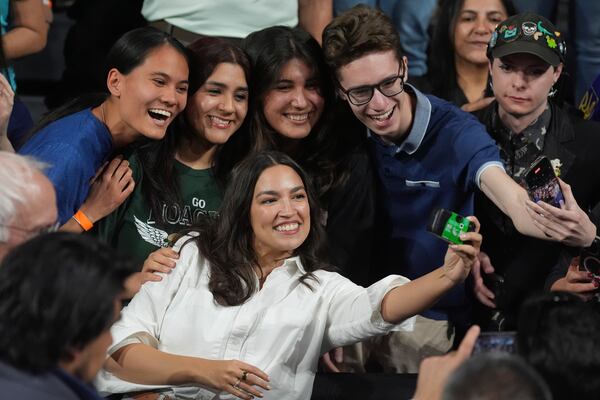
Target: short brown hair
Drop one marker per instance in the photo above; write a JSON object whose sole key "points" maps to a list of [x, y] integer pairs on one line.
{"points": [[357, 32]]}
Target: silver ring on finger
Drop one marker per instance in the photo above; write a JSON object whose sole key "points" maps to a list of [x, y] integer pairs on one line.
{"points": [[236, 386]]}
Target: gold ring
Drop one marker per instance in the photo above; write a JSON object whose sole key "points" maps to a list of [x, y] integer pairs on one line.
{"points": [[244, 375]]}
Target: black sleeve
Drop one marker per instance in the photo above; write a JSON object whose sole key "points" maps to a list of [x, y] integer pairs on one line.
{"points": [[351, 219]]}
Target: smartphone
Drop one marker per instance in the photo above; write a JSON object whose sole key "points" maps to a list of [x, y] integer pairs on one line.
{"points": [[448, 225], [495, 283], [542, 183], [505, 342]]}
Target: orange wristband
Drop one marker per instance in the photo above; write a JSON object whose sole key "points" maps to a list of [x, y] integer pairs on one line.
{"points": [[83, 221]]}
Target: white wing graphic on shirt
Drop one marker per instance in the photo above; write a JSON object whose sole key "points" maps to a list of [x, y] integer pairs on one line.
{"points": [[150, 234]]}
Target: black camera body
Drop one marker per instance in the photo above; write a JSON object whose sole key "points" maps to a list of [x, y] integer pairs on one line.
{"points": [[589, 258]]}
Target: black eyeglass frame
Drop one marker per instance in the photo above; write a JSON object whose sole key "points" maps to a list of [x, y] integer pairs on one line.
{"points": [[377, 86]]}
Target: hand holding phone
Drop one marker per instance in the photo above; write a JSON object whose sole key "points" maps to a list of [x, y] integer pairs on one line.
{"points": [[542, 183]]}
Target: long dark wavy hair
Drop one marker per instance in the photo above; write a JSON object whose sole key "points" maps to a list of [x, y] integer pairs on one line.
{"points": [[128, 52], [441, 69], [158, 158], [322, 151], [227, 241]]}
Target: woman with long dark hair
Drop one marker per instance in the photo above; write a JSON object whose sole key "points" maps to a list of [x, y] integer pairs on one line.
{"points": [[294, 111], [457, 63], [251, 305], [147, 81], [179, 178]]}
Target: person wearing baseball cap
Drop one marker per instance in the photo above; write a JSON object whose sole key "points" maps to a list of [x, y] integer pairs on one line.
{"points": [[528, 33], [527, 55]]}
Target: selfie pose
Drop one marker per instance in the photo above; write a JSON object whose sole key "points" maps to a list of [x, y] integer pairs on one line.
{"points": [[147, 82], [295, 112], [179, 179], [251, 306], [428, 154], [526, 59]]}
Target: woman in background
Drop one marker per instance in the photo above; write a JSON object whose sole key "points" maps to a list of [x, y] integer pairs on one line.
{"points": [[295, 113], [457, 64]]}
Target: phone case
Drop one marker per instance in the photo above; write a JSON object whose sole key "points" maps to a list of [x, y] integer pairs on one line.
{"points": [[542, 183]]}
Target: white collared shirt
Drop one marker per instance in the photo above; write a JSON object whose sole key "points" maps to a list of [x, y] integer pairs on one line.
{"points": [[282, 329]]}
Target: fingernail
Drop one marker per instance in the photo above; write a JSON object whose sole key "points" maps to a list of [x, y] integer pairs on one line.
{"points": [[462, 236], [590, 275], [596, 284], [453, 246]]}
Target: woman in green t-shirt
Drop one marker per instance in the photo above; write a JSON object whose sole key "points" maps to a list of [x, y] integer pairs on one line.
{"points": [[178, 179]]}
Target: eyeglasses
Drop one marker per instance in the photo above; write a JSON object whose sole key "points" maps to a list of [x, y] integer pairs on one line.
{"points": [[388, 87], [35, 232]]}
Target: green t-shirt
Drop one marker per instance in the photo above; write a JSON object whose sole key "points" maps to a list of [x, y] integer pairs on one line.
{"points": [[133, 229]]}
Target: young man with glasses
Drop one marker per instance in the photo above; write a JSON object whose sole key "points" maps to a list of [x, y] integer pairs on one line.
{"points": [[429, 155], [27, 201]]}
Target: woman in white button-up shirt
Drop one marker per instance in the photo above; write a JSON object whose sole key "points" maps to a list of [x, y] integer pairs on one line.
{"points": [[250, 306]]}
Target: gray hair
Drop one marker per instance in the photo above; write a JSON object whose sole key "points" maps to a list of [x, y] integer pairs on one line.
{"points": [[16, 172]]}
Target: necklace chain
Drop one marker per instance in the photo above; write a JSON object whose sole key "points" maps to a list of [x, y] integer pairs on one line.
{"points": [[102, 112]]}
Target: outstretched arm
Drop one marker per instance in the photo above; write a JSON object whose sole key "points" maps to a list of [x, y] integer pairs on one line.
{"points": [[511, 198], [144, 364], [569, 224], [407, 300], [30, 31]]}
